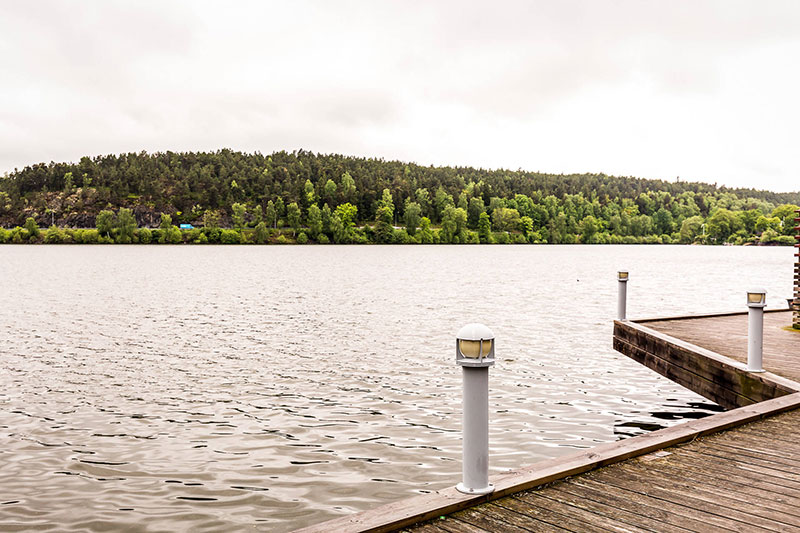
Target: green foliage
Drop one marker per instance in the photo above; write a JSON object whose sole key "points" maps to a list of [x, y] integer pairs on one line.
{"points": [[348, 187], [261, 233], [105, 222], [311, 198], [484, 228], [412, 217], [258, 216], [383, 230], [722, 224], [330, 191], [238, 212], [211, 219], [505, 219], [529, 206], [32, 228], [323, 239], [293, 216], [314, 221], [691, 228], [168, 234], [474, 210], [125, 226], [54, 235], [271, 215], [302, 238], [347, 213], [145, 236], [230, 236]]}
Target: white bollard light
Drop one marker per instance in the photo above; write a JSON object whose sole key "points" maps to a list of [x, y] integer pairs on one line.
{"points": [[622, 297], [756, 302], [475, 354]]}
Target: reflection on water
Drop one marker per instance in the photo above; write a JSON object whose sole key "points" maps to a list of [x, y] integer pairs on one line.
{"points": [[209, 388]]}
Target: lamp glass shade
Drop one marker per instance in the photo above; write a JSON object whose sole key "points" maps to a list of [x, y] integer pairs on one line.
{"points": [[755, 297], [475, 349], [622, 275]]}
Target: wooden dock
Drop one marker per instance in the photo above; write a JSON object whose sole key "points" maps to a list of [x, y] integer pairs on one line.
{"points": [[734, 471], [747, 479]]}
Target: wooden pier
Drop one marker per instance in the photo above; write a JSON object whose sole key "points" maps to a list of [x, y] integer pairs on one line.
{"points": [[734, 471]]}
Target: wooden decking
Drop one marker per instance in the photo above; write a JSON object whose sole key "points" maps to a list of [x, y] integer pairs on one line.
{"points": [[687, 351], [734, 471], [747, 479], [727, 335]]}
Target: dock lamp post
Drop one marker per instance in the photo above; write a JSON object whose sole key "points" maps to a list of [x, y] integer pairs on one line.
{"points": [[756, 301], [475, 354], [622, 299]]}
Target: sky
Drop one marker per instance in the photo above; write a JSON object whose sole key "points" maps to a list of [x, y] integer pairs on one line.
{"points": [[690, 89]]}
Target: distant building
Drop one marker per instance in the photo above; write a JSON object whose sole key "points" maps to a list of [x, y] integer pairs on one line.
{"points": [[186, 226]]}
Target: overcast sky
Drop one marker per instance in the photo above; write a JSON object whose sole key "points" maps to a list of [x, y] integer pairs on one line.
{"points": [[703, 90]]}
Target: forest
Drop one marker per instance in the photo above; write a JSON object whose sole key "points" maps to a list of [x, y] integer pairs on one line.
{"points": [[301, 197]]}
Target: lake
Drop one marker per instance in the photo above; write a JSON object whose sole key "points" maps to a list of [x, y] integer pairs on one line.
{"points": [[197, 388]]}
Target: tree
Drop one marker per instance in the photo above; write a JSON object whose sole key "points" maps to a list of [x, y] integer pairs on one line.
{"points": [[454, 223], [314, 221], [662, 220], [293, 217], [690, 229], [342, 223], [211, 219], [505, 219], [442, 201], [423, 198], [261, 233], [168, 234], [474, 210], [238, 213], [425, 233], [348, 187], [308, 188], [68, 184], [412, 216], [330, 191], [271, 215], [126, 226], [280, 210], [258, 215], [722, 224], [347, 213], [786, 214], [387, 204], [326, 219], [105, 222], [588, 229], [383, 229], [484, 228]]}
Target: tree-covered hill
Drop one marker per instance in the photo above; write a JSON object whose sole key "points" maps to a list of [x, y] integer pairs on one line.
{"points": [[287, 189]]}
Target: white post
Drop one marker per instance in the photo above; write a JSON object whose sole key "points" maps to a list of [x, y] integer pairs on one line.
{"points": [[475, 354], [622, 296], [475, 461], [756, 301]]}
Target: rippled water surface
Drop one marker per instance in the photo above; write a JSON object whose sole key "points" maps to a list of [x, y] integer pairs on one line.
{"points": [[214, 388]]}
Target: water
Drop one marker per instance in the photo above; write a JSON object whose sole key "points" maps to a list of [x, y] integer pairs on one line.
{"points": [[196, 388]]}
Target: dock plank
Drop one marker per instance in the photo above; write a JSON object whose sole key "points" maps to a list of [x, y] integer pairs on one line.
{"points": [[705, 484], [727, 335]]}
